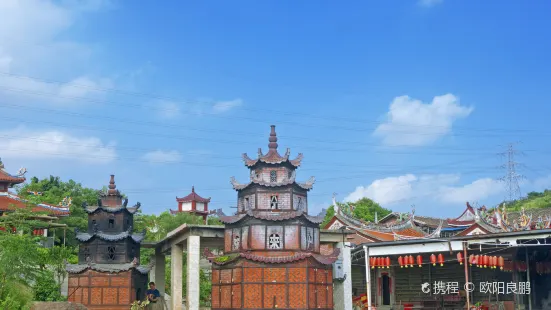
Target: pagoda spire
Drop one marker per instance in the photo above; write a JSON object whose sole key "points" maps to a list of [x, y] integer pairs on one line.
{"points": [[273, 139], [112, 187]]}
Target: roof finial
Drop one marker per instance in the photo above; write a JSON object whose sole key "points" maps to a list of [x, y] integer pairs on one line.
{"points": [[1, 164], [112, 186], [273, 138], [193, 189]]}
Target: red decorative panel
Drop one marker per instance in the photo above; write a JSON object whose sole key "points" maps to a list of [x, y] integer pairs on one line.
{"points": [[322, 296], [215, 296], [124, 296], [297, 274], [85, 295], [73, 281], [227, 240], [321, 276], [297, 296], [292, 241], [215, 276], [83, 281], [96, 296], [253, 297], [236, 297], [326, 249], [225, 276], [274, 275], [77, 295], [312, 296], [100, 281], [253, 274], [329, 276], [311, 275], [109, 296], [279, 291], [225, 296], [119, 281], [237, 275]]}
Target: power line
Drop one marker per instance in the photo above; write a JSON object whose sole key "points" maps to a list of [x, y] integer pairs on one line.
{"points": [[511, 177]]}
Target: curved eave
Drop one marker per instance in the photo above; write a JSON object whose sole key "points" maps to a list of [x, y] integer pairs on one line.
{"points": [[272, 159], [94, 209], [281, 216], [112, 268], [86, 237], [322, 259], [305, 186]]}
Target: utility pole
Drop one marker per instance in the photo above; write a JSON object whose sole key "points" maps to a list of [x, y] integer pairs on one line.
{"points": [[511, 177]]}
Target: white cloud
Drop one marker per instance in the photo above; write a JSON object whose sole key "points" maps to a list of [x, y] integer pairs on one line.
{"points": [[48, 145], [442, 188], [224, 106], [29, 46], [429, 3], [411, 122], [160, 156]]}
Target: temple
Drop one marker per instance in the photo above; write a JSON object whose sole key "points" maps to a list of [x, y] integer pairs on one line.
{"points": [[194, 204], [108, 274], [272, 256]]}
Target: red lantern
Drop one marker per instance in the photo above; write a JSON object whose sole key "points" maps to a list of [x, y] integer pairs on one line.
{"points": [[471, 259], [485, 261], [401, 261], [495, 262], [387, 262], [378, 262], [441, 259], [460, 258], [419, 260], [433, 259], [500, 262], [372, 262]]}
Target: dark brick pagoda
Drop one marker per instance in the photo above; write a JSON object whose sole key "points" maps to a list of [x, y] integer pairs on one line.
{"points": [[108, 274], [272, 247]]}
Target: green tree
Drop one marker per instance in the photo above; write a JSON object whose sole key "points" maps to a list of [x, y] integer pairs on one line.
{"points": [[366, 208], [328, 216]]}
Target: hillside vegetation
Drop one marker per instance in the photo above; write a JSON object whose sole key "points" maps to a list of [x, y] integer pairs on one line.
{"points": [[533, 200]]}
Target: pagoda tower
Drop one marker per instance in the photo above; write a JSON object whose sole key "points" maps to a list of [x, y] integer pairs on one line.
{"points": [[272, 246], [108, 274], [194, 204]]}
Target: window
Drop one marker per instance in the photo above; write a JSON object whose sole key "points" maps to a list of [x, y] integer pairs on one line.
{"points": [[247, 203], [274, 242], [86, 254], [127, 222], [299, 203], [289, 174], [236, 242], [111, 223], [273, 176], [310, 239], [273, 202], [111, 252]]}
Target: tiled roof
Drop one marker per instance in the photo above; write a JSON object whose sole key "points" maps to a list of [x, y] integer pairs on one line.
{"points": [[272, 157], [92, 209], [323, 259], [84, 236], [6, 177], [270, 216], [306, 185], [193, 197], [430, 221], [194, 211], [78, 268], [8, 199]]}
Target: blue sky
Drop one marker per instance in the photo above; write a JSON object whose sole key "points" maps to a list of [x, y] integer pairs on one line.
{"points": [[405, 102]]}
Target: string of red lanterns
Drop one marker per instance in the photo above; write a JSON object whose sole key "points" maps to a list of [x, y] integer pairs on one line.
{"points": [[481, 261]]}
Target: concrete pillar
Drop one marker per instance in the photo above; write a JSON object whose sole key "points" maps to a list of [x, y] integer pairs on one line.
{"points": [[157, 273], [176, 252], [342, 290], [193, 269]]}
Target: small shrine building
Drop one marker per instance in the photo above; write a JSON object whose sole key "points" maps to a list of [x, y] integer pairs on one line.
{"points": [[194, 204], [108, 274]]}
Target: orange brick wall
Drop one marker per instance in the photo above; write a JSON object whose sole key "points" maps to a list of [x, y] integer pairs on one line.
{"points": [[98, 290], [291, 286]]}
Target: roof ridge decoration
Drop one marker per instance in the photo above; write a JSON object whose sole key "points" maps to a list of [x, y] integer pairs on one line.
{"points": [[272, 216], [273, 156], [309, 184], [193, 196], [42, 205], [116, 268], [5, 176]]}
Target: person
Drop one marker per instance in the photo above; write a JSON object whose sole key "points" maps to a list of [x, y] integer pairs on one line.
{"points": [[153, 294]]}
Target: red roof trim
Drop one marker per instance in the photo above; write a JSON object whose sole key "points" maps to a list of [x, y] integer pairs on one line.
{"points": [[193, 197]]}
